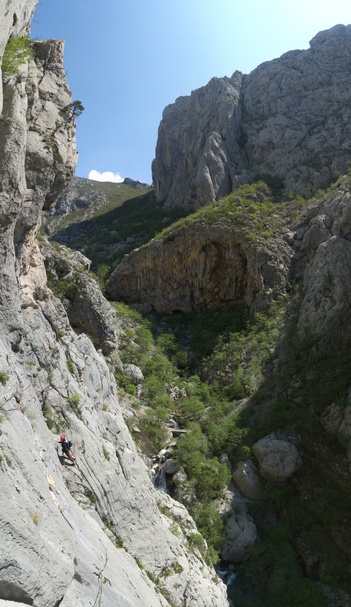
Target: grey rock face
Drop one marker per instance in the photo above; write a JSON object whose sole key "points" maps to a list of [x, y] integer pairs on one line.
{"points": [[289, 118], [197, 145], [324, 315], [37, 158]]}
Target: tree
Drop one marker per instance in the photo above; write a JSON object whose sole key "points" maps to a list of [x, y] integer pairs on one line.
{"points": [[76, 108]]}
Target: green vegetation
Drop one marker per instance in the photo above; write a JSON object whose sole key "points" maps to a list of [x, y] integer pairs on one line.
{"points": [[91, 496], [139, 562], [250, 210], [105, 453], [66, 288], [125, 382], [76, 108], [125, 218], [74, 401], [70, 364], [282, 579], [4, 378], [17, 52], [201, 408]]}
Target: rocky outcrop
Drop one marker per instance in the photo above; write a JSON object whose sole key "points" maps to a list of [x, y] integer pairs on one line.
{"points": [[85, 305], [240, 537], [324, 315], [37, 142], [289, 118], [68, 535], [240, 532], [202, 266], [82, 200]]}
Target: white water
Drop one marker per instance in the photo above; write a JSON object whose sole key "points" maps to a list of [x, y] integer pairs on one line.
{"points": [[159, 478]]}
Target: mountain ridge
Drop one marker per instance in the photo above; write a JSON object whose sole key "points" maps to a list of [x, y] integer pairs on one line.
{"points": [[288, 119]]}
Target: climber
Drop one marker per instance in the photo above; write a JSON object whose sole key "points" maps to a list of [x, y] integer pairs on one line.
{"points": [[66, 448]]}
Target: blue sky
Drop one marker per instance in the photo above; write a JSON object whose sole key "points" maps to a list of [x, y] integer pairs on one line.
{"points": [[126, 60]]}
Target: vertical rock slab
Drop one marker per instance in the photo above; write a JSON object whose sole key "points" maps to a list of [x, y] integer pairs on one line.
{"points": [[197, 145]]}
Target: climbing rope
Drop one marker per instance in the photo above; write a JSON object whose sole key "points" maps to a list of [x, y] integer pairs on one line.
{"points": [[98, 599]]}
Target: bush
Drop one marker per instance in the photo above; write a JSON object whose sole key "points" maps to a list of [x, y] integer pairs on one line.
{"points": [[4, 377], [153, 432], [74, 401], [210, 524], [125, 382], [70, 364], [17, 51]]}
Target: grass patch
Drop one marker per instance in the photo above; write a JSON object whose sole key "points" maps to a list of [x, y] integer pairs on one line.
{"points": [[4, 377], [35, 516], [74, 402]]}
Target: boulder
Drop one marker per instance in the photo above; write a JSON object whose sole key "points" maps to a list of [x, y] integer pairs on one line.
{"points": [[277, 458], [248, 479], [240, 536], [135, 374], [170, 466]]}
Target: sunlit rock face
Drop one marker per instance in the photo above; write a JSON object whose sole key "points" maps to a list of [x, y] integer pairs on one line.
{"points": [[290, 118], [197, 148]]}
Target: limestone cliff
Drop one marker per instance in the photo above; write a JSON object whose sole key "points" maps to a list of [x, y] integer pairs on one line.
{"points": [[213, 259], [289, 118], [68, 536]]}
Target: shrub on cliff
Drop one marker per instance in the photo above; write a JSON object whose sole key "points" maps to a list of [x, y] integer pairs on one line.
{"points": [[17, 51]]}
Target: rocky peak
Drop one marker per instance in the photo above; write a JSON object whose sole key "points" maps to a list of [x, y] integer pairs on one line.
{"points": [[197, 144], [289, 118], [335, 39]]}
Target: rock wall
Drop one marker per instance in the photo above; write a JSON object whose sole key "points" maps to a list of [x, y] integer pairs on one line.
{"points": [[203, 265], [289, 118], [68, 535], [197, 147]]}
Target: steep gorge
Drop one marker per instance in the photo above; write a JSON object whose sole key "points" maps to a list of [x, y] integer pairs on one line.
{"points": [[101, 527], [95, 532], [287, 121]]}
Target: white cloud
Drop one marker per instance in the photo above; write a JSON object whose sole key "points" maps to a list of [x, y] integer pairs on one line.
{"points": [[105, 176]]}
